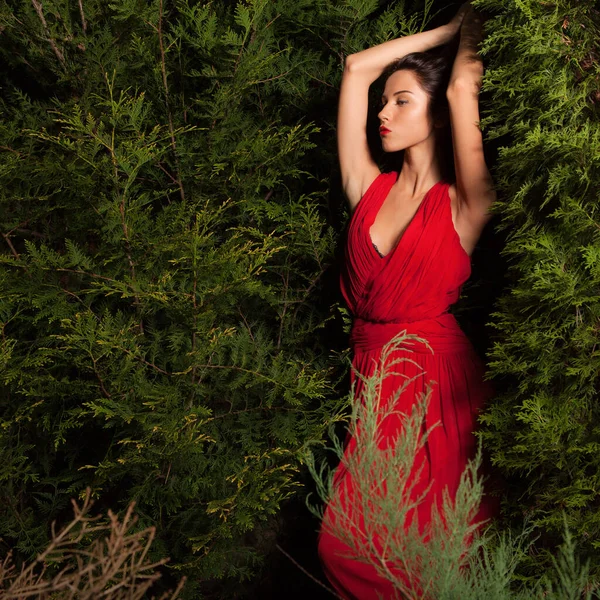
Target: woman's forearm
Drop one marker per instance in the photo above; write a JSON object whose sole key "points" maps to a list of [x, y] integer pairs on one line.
{"points": [[371, 62]]}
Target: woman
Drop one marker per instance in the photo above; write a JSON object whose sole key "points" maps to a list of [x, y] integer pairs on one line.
{"points": [[410, 238]]}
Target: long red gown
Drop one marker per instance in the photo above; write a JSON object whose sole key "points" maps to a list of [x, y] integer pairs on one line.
{"points": [[410, 288]]}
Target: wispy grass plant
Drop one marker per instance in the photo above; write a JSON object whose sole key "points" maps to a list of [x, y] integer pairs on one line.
{"points": [[451, 557]]}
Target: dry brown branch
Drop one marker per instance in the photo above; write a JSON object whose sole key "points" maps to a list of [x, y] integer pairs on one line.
{"points": [[12, 248], [112, 567]]}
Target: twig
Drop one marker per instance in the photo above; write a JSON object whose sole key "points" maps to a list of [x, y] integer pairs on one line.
{"points": [[119, 560], [7, 240], [307, 573], [166, 86], [83, 23], [38, 8]]}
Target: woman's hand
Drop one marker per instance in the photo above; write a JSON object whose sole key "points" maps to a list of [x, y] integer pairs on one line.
{"points": [[455, 24], [471, 29], [468, 64]]}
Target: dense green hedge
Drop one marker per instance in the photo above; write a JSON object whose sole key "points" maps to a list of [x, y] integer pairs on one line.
{"points": [[543, 85], [164, 299]]}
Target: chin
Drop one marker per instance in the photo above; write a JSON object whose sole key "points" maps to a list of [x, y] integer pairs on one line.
{"points": [[391, 147]]}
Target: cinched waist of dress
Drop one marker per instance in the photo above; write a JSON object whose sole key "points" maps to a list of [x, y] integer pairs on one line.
{"points": [[442, 334]]}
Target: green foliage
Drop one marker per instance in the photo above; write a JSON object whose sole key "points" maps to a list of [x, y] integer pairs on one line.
{"points": [[162, 301], [542, 428]]}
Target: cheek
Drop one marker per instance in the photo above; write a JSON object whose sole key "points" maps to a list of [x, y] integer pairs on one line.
{"points": [[414, 112], [414, 119]]}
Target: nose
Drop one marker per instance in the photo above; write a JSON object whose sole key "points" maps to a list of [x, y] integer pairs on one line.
{"points": [[383, 113]]}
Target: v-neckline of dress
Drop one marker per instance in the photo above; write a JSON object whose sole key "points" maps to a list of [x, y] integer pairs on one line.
{"points": [[399, 241]]}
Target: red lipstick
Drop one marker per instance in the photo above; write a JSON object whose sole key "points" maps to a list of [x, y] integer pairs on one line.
{"points": [[384, 130]]}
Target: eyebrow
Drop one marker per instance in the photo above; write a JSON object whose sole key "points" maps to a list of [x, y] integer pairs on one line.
{"points": [[399, 92]]}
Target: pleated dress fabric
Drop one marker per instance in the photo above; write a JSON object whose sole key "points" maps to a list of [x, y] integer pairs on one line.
{"points": [[411, 288]]}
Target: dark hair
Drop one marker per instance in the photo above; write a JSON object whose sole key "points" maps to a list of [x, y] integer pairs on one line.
{"points": [[432, 69]]}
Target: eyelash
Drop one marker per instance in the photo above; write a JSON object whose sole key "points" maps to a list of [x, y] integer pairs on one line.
{"points": [[382, 104]]}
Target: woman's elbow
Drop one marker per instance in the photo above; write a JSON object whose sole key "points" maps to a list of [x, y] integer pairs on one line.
{"points": [[351, 63], [360, 68]]}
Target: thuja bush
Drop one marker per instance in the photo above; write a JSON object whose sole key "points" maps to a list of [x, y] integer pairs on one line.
{"points": [[542, 86], [165, 276]]}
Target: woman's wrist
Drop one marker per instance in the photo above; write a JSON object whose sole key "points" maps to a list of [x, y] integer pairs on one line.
{"points": [[440, 35], [448, 32]]}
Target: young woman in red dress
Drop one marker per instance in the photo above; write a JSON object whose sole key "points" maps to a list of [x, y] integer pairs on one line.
{"points": [[408, 253]]}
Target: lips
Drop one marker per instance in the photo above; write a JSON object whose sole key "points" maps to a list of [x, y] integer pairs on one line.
{"points": [[384, 131]]}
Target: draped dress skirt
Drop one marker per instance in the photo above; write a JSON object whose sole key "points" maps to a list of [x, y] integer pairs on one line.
{"points": [[409, 289]]}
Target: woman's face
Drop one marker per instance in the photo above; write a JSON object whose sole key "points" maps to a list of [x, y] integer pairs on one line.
{"points": [[404, 120]]}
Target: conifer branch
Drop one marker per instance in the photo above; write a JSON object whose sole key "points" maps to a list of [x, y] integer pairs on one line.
{"points": [[122, 200], [254, 409], [100, 381], [95, 275], [159, 165], [10, 244], [70, 293], [273, 78], [195, 306], [36, 234], [167, 102], [201, 366], [307, 291], [9, 149], [285, 305], [38, 8], [141, 359], [83, 21]]}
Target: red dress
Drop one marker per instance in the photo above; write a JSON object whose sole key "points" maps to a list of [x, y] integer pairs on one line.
{"points": [[410, 288]]}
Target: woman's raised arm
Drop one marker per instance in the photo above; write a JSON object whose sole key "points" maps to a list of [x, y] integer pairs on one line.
{"points": [[474, 185], [358, 168]]}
